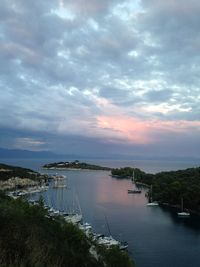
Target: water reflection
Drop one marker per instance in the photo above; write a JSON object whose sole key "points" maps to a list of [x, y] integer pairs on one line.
{"points": [[193, 222]]}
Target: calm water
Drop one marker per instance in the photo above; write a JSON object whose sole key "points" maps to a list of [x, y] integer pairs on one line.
{"points": [[156, 236]]}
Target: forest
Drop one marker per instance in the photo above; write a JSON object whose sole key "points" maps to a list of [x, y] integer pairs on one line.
{"points": [[169, 187]]}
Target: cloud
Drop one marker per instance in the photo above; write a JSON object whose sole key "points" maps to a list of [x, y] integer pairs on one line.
{"points": [[71, 67], [89, 8], [29, 144]]}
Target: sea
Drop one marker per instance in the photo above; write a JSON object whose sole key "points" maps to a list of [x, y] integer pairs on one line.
{"points": [[156, 236]]}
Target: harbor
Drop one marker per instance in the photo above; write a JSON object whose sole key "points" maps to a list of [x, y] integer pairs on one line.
{"points": [[130, 219]]}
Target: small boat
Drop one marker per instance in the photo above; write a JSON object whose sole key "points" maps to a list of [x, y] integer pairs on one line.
{"points": [[151, 202], [73, 218], [108, 241], [123, 246], [134, 191], [85, 226], [183, 214]]}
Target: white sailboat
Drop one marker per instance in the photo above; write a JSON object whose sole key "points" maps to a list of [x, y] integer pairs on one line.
{"points": [[59, 182], [183, 214], [151, 202], [109, 241], [135, 190], [74, 217]]}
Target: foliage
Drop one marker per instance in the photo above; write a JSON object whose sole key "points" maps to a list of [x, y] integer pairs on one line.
{"points": [[170, 187], [127, 172], [114, 257], [29, 237], [7, 171]]}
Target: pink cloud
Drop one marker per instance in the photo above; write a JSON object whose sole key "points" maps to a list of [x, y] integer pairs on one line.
{"points": [[132, 129], [139, 131]]}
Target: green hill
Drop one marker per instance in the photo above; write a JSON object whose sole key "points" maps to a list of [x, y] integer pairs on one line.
{"points": [[29, 237]]}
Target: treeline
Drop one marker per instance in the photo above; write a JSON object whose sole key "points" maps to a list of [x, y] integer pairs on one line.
{"points": [[169, 187], [30, 237], [128, 172], [7, 172]]}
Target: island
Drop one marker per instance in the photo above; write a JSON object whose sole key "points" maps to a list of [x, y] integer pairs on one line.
{"points": [[63, 165], [169, 187]]}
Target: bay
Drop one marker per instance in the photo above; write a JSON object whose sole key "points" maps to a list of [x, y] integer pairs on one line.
{"points": [[156, 236]]}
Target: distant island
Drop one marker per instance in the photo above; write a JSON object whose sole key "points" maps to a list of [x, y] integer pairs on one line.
{"points": [[168, 187], [62, 165]]}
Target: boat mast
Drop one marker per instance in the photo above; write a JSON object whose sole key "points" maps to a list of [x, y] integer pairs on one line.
{"points": [[150, 194], [78, 203], [181, 204], [133, 176], [107, 225]]}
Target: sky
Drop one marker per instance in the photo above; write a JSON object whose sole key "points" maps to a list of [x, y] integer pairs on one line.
{"points": [[107, 77]]}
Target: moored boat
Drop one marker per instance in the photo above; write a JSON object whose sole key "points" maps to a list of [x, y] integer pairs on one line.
{"points": [[134, 191], [73, 218], [151, 202], [183, 214]]}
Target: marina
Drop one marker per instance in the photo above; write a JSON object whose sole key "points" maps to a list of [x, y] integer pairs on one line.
{"points": [[129, 217]]}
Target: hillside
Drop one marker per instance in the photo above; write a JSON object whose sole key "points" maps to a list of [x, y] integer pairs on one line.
{"points": [[12, 177], [30, 237], [7, 172]]}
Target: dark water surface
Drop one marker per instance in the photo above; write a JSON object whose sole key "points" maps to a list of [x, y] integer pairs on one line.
{"points": [[156, 237]]}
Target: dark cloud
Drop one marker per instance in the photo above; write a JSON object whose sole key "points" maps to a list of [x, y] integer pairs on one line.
{"points": [[64, 64]]}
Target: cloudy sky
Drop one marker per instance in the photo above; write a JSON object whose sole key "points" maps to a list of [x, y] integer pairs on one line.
{"points": [[101, 77]]}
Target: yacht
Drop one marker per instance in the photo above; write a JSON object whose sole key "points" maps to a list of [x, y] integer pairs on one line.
{"points": [[123, 246], [134, 191], [74, 218], [108, 241], [151, 202], [183, 214], [59, 181]]}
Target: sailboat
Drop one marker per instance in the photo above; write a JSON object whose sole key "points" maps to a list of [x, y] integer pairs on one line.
{"points": [[59, 181], [183, 214], [109, 241], [134, 191], [74, 217], [151, 202]]}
